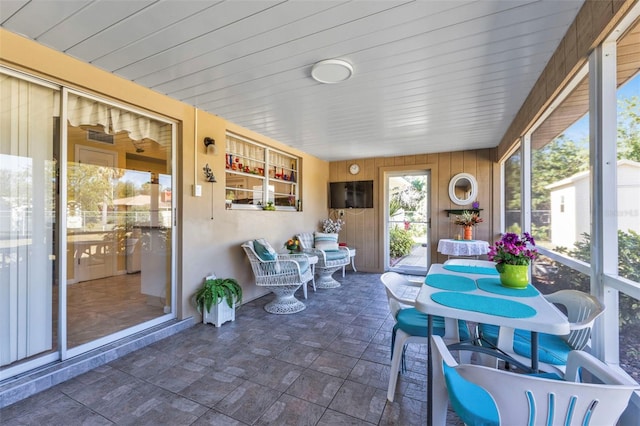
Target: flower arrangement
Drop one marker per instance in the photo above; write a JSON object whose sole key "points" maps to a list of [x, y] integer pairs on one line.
{"points": [[468, 218], [330, 226], [292, 244], [512, 249]]}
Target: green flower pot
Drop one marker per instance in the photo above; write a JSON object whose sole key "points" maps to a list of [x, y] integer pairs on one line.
{"points": [[514, 276]]}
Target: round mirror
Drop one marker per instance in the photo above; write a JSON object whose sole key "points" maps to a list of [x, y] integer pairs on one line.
{"points": [[463, 189]]}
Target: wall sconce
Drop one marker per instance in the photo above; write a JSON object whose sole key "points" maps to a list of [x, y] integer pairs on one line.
{"points": [[210, 142]]}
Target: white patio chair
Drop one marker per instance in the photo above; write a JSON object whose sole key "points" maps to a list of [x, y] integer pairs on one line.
{"points": [[582, 311], [488, 396], [283, 274], [330, 258], [411, 324]]}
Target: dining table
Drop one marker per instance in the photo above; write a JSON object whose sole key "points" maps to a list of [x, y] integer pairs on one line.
{"points": [[474, 294]]}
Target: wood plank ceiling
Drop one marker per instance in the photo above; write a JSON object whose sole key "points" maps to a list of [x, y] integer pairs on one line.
{"points": [[429, 76]]}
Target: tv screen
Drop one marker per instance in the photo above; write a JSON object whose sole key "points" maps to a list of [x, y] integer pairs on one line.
{"points": [[351, 195]]}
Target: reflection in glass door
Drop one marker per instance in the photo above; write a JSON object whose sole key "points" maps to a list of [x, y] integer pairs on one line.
{"points": [[408, 222], [119, 209]]}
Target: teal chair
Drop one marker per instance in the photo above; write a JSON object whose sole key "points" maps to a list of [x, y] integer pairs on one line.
{"points": [[487, 396], [411, 324], [582, 310]]}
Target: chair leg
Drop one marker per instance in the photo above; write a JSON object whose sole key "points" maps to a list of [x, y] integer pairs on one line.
{"points": [[401, 338]]}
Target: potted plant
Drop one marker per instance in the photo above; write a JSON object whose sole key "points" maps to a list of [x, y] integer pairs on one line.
{"points": [[513, 255], [217, 299], [330, 226], [468, 220]]}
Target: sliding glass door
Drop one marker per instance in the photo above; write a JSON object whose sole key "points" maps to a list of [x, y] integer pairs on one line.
{"points": [[28, 214], [86, 223]]}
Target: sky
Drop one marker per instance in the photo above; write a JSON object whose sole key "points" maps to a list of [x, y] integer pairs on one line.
{"points": [[580, 129]]}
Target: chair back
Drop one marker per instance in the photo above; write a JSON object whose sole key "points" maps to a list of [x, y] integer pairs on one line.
{"points": [[530, 400], [306, 240], [582, 311], [395, 285], [261, 268]]}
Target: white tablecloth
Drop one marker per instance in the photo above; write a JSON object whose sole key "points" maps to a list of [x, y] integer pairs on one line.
{"points": [[463, 247]]}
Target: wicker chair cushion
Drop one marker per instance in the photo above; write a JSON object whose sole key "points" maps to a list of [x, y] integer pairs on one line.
{"points": [[264, 250], [325, 242], [335, 254]]}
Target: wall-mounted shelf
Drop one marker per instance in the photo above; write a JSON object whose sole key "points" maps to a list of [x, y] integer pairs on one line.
{"points": [[460, 211]]}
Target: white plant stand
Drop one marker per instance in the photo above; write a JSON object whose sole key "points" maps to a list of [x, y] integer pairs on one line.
{"points": [[219, 314]]}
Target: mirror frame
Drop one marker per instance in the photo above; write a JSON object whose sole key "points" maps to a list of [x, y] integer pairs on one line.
{"points": [[452, 192]]}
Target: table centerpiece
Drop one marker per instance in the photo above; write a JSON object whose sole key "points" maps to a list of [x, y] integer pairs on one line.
{"points": [[513, 255]]}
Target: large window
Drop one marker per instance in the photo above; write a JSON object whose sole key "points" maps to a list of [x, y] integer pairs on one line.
{"points": [[560, 191], [260, 177], [512, 194], [575, 224], [628, 193]]}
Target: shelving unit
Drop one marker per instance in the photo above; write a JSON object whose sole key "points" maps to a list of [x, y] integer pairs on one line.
{"points": [[252, 168], [460, 211]]}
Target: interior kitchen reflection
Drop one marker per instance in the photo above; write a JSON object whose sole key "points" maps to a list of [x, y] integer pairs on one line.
{"points": [[119, 205]]}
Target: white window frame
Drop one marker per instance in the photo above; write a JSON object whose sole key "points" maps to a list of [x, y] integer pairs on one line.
{"points": [[267, 182]]}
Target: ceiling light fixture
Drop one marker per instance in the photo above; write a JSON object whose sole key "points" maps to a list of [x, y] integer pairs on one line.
{"points": [[331, 71]]}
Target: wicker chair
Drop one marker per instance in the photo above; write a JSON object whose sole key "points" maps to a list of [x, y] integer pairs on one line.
{"points": [[283, 276], [329, 261]]}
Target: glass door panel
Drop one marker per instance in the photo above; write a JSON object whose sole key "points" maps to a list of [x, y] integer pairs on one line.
{"points": [[28, 127], [119, 207], [408, 222]]}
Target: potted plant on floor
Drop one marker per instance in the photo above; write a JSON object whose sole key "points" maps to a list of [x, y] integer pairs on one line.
{"points": [[217, 299]]}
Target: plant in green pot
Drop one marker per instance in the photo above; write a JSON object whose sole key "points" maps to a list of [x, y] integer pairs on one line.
{"points": [[217, 300], [513, 255]]}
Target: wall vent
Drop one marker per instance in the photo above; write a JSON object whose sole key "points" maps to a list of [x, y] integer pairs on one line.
{"points": [[101, 137]]}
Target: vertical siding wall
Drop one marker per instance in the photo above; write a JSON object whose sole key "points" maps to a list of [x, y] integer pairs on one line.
{"points": [[364, 228]]}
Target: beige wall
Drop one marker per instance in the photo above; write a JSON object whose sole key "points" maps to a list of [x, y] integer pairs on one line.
{"points": [[207, 240], [364, 227]]}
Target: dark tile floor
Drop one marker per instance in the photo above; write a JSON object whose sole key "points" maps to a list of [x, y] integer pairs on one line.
{"points": [[327, 365]]}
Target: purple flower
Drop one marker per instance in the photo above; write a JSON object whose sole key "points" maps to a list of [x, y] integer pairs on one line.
{"points": [[512, 249]]}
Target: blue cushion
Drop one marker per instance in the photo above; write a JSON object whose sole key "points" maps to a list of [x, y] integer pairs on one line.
{"points": [[264, 250], [551, 349], [414, 323], [335, 254], [304, 265], [471, 402]]}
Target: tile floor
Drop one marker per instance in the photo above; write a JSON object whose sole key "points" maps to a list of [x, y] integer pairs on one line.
{"points": [[327, 365]]}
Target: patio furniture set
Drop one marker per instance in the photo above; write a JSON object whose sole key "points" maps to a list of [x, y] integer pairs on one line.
{"points": [[283, 274], [518, 330]]}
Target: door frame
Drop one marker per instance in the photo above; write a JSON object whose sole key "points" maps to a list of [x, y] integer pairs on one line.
{"points": [[384, 174]]}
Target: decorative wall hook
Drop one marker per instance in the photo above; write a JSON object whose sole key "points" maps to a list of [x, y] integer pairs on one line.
{"points": [[208, 173], [210, 142]]}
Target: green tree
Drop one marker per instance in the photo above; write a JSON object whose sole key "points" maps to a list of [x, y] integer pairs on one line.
{"points": [[90, 185], [629, 128]]}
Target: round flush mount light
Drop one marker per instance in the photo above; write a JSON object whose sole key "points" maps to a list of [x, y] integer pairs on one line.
{"points": [[331, 71]]}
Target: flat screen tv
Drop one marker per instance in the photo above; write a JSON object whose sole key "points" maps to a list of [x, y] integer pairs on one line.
{"points": [[351, 195]]}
